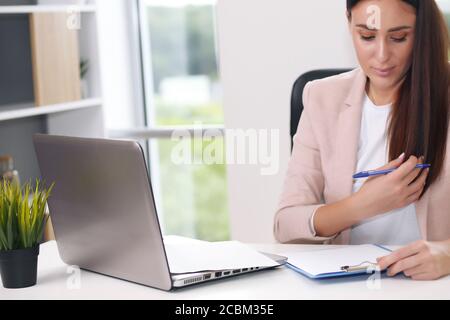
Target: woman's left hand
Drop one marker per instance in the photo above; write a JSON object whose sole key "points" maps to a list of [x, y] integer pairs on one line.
{"points": [[420, 260]]}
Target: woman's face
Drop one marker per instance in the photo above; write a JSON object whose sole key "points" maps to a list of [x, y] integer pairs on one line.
{"points": [[383, 36]]}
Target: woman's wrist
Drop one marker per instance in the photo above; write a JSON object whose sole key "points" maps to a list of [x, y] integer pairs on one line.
{"points": [[359, 210], [336, 217]]}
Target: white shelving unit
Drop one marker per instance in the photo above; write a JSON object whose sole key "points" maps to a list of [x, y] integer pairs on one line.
{"points": [[25, 110], [83, 118], [88, 50], [46, 8]]}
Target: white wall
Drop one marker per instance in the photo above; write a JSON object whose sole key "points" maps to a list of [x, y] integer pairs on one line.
{"points": [[264, 45]]}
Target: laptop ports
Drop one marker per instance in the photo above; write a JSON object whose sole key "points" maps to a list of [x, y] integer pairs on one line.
{"points": [[217, 274], [206, 276]]}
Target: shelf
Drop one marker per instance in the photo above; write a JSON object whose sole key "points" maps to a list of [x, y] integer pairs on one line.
{"points": [[25, 110], [46, 8]]}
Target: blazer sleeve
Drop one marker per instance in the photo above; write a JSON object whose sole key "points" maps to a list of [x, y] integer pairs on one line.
{"points": [[303, 187]]}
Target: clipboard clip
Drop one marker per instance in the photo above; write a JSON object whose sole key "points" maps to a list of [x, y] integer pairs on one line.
{"points": [[360, 267]]}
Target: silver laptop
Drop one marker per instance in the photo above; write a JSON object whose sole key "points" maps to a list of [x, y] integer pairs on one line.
{"points": [[103, 211]]}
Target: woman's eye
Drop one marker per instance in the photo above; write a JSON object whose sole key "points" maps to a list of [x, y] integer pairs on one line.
{"points": [[367, 38], [399, 39]]}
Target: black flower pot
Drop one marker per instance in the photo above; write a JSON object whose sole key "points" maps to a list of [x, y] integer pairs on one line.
{"points": [[18, 268]]}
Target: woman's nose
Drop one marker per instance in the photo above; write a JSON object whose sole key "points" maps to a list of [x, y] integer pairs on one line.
{"points": [[382, 51]]}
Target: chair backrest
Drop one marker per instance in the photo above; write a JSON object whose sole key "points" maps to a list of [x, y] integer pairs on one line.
{"points": [[297, 93]]}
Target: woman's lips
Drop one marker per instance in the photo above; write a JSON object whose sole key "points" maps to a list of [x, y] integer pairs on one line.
{"points": [[385, 72]]}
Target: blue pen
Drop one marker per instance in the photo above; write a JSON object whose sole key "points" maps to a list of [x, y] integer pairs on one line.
{"points": [[365, 174]]}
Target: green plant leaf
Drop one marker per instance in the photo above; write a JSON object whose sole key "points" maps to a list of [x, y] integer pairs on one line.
{"points": [[22, 214], [9, 231]]}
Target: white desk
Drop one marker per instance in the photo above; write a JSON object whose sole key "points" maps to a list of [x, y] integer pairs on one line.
{"points": [[281, 283]]}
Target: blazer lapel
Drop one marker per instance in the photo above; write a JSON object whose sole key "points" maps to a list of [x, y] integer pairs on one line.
{"points": [[349, 125]]}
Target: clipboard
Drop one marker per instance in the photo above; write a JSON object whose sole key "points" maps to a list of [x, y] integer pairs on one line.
{"points": [[336, 262]]}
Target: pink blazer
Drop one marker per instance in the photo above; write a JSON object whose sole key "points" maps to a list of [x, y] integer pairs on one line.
{"points": [[324, 159]]}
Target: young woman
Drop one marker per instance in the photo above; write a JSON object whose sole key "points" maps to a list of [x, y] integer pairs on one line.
{"points": [[392, 112]]}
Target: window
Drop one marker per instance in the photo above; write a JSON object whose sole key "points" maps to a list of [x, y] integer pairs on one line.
{"points": [[182, 88]]}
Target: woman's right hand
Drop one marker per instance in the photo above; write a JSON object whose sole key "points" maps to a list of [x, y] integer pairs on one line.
{"points": [[399, 188]]}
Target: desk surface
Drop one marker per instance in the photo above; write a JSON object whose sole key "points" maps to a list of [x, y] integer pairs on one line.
{"points": [[280, 283]]}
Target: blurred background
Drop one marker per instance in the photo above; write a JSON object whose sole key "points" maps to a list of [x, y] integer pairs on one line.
{"points": [[142, 68]]}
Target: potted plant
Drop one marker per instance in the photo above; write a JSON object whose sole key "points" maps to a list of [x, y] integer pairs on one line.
{"points": [[22, 223]]}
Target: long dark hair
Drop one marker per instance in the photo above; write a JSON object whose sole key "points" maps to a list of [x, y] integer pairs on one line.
{"points": [[419, 120]]}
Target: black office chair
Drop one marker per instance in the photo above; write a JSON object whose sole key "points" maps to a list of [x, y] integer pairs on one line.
{"points": [[297, 93]]}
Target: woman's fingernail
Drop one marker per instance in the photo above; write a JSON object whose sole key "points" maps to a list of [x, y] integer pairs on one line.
{"points": [[402, 155]]}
